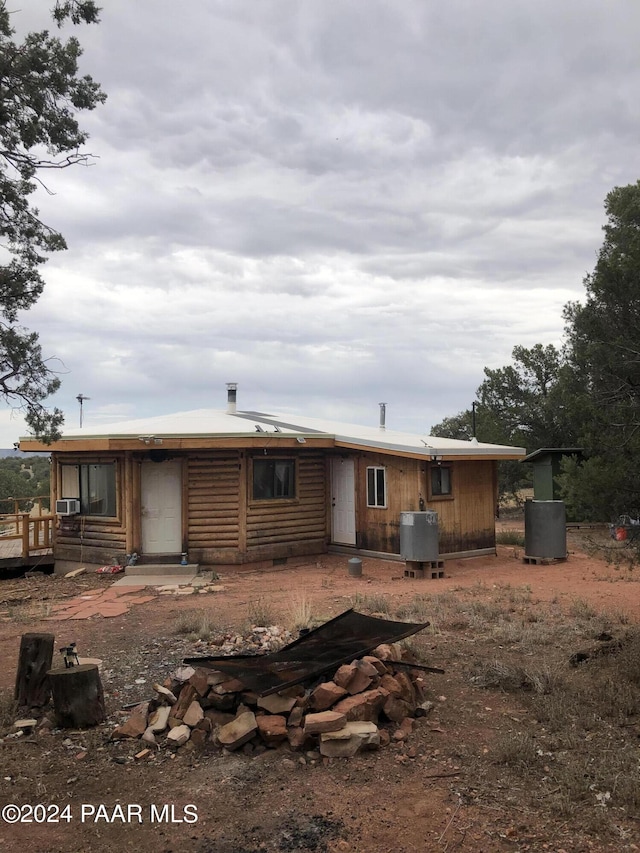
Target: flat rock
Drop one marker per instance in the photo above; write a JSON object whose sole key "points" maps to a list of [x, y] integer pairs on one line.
{"points": [[218, 718], [159, 719], [346, 742], [187, 695], [148, 735], [278, 703], [199, 738], [376, 663], [397, 709], [135, 726], [200, 680], [324, 721], [179, 736], [166, 694], [297, 737], [193, 714], [326, 694], [296, 716], [272, 728], [355, 677], [407, 691], [216, 677], [363, 706], [238, 731], [183, 673], [344, 674], [387, 651], [231, 685], [390, 683]]}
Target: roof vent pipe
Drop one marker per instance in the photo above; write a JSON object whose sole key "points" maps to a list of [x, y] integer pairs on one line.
{"points": [[383, 412], [231, 397]]}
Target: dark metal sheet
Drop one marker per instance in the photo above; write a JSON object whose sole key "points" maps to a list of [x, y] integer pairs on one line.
{"points": [[341, 640]]}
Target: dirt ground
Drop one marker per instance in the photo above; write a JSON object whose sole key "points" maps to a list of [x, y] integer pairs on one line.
{"points": [[440, 790]]}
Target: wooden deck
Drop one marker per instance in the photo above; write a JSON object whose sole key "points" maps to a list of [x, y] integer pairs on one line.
{"points": [[26, 540]]}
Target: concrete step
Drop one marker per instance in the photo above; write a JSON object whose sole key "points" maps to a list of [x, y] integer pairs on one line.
{"points": [[160, 569]]}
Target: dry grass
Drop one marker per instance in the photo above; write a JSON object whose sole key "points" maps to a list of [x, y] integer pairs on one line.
{"points": [[371, 604], [300, 613], [510, 537], [195, 624], [261, 614], [575, 752]]}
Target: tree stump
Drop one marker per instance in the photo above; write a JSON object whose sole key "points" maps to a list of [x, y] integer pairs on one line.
{"points": [[36, 654], [78, 699]]}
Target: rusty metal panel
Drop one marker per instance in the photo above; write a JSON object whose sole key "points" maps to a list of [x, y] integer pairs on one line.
{"points": [[345, 638]]}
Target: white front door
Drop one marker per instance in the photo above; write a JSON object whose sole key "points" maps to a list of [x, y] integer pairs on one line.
{"points": [[161, 500], [343, 502]]}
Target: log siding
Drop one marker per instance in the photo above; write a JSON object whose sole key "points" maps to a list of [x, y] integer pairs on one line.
{"points": [[286, 522], [213, 501], [224, 524], [92, 538]]}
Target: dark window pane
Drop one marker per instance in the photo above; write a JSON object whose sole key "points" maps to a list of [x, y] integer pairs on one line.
{"points": [[98, 489], [376, 486], [440, 480], [273, 478], [371, 486]]}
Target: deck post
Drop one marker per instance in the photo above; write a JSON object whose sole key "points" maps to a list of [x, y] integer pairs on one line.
{"points": [[25, 533]]}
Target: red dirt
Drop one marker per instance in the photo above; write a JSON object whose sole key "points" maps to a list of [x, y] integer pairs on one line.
{"points": [[422, 794]]}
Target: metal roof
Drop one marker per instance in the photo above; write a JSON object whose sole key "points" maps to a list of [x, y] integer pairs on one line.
{"points": [[543, 451], [201, 424]]}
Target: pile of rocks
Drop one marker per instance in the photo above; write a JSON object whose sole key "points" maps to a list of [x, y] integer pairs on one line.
{"points": [[365, 704]]}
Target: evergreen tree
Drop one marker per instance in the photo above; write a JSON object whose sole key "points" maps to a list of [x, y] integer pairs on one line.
{"points": [[603, 346], [40, 94]]}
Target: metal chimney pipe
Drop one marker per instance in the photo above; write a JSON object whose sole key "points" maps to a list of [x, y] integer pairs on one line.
{"points": [[231, 397], [383, 412]]}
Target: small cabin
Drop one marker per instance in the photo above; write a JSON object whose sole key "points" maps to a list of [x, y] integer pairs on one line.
{"points": [[232, 487]]}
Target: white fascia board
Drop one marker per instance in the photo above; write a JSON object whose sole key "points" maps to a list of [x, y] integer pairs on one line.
{"points": [[466, 451]]}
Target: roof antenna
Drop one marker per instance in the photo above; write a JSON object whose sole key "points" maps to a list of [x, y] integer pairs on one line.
{"points": [[81, 398]]}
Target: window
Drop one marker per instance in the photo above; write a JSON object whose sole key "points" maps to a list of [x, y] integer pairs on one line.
{"points": [[274, 479], [440, 480], [94, 485], [377, 487]]}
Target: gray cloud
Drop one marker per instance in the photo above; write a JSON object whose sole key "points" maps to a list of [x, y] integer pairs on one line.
{"points": [[333, 204]]}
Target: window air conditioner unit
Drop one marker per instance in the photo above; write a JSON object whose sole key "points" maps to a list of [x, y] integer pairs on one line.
{"points": [[68, 506]]}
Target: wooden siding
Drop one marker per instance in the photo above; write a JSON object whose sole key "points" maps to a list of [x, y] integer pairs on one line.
{"points": [[288, 527], [465, 520], [213, 503], [378, 528], [223, 524], [93, 539]]}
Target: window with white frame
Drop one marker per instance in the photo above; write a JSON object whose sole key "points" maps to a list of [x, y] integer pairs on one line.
{"points": [[93, 484], [376, 486]]}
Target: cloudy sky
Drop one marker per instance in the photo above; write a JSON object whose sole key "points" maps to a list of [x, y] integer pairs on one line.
{"points": [[333, 203]]}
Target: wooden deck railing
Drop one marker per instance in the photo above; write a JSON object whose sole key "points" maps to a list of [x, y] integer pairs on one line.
{"points": [[32, 532]]}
